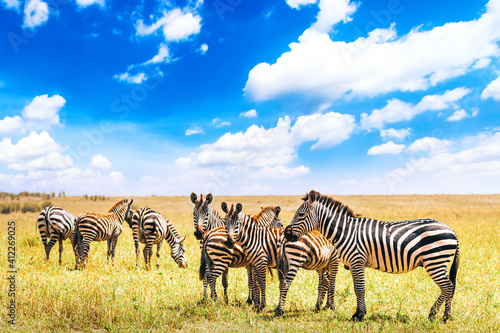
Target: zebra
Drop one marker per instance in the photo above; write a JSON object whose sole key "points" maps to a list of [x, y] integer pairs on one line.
{"points": [[259, 243], [218, 255], [393, 247], [312, 251], [100, 227], [150, 227], [56, 224]]}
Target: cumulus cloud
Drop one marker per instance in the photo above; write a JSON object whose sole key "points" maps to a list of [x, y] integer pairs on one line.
{"points": [[492, 90], [195, 130], [386, 148], [397, 110], [34, 152], [36, 12], [394, 133], [86, 3], [382, 62], [11, 125], [176, 25], [249, 114], [11, 4], [203, 48], [163, 56], [296, 4], [101, 162], [428, 144]]}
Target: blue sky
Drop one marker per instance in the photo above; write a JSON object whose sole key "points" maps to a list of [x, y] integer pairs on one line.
{"points": [[249, 97]]}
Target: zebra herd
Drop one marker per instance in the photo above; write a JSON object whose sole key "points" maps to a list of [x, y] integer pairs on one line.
{"points": [[322, 233]]}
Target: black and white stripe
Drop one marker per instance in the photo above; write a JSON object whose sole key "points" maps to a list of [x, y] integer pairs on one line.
{"points": [[312, 252], [55, 225], [101, 227], [218, 255], [394, 247], [150, 227], [259, 243]]}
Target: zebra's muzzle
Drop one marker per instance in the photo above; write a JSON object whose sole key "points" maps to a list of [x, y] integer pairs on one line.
{"points": [[289, 235], [198, 234], [229, 243]]}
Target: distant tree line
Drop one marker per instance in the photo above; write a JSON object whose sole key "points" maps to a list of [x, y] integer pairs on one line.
{"points": [[95, 197], [26, 207], [45, 196]]}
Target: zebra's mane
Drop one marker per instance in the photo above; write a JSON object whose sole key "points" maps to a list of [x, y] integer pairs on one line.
{"points": [[332, 204], [117, 205], [171, 227]]}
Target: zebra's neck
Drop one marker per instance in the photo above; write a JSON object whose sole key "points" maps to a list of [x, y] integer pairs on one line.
{"points": [[214, 220], [333, 219], [119, 211], [172, 233]]}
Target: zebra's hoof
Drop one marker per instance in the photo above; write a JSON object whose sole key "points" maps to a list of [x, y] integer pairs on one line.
{"points": [[432, 316], [358, 316], [279, 312], [249, 301], [446, 318]]}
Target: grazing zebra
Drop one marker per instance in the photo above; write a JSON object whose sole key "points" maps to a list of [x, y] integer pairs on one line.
{"points": [[259, 243], [56, 224], [150, 227], [218, 255], [394, 247], [100, 227], [312, 252]]}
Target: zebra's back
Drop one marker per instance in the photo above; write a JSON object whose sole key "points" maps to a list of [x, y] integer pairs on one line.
{"points": [[56, 219], [103, 226]]}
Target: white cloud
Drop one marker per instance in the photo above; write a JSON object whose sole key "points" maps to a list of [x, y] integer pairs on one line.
{"points": [[163, 56], [184, 162], [457, 115], [428, 144], [296, 4], [36, 12], [394, 133], [482, 63], [43, 112], [396, 110], [136, 79], [318, 67], [492, 90], [219, 123], [249, 114], [12, 4], [116, 177], [176, 25], [86, 3], [195, 130], [203, 48], [332, 12], [101, 162], [34, 152], [386, 148], [281, 172], [11, 125], [328, 129]]}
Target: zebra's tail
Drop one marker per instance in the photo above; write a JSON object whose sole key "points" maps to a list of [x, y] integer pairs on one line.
{"points": [[282, 263], [205, 264], [454, 267], [78, 237]]}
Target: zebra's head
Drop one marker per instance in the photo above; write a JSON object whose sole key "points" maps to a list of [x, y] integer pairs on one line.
{"points": [[178, 253], [232, 222], [277, 221], [200, 214], [305, 218], [129, 215]]}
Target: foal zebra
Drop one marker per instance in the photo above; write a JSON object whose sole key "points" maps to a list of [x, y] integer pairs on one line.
{"points": [[56, 224], [312, 252], [150, 227], [218, 255], [100, 227], [259, 243], [394, 247]]}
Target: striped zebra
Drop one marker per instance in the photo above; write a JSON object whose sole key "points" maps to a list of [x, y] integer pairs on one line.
{"points": [[259, 243], [314, 252], [218, 255], [150, 227], [393, 247], [100, 227], [56, 224]]}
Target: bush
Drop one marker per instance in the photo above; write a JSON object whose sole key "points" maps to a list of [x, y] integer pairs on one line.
{"points": [[30, 207], [46, 203]]}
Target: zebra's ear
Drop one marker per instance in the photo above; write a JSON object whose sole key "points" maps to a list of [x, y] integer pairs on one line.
{"points": [[239, 207], [193, 197], [277, 210], [312, 196], [131, 201], [209, 198], [223, 205]]}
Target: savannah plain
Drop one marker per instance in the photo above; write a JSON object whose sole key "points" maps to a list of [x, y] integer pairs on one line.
{"points": [[126, 298]]}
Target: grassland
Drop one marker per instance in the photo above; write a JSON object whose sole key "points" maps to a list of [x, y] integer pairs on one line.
{"points": [[123, 298]]}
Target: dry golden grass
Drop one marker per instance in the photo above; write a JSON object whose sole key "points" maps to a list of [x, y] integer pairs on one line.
{"points": [[123, 298]]}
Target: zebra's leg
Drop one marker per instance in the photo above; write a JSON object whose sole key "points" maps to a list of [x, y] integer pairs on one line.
{"points": [[158, 247], [147, 252], [260, 278], [137, 250], [251, 294], [333, 268], [108, 254], [219, 267], [84, 249], [75, 248], [60, 250], [322, 287], [293, 268], [438, 273], [115, 240], [54, 237], [225, 285], [358, 277]]}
